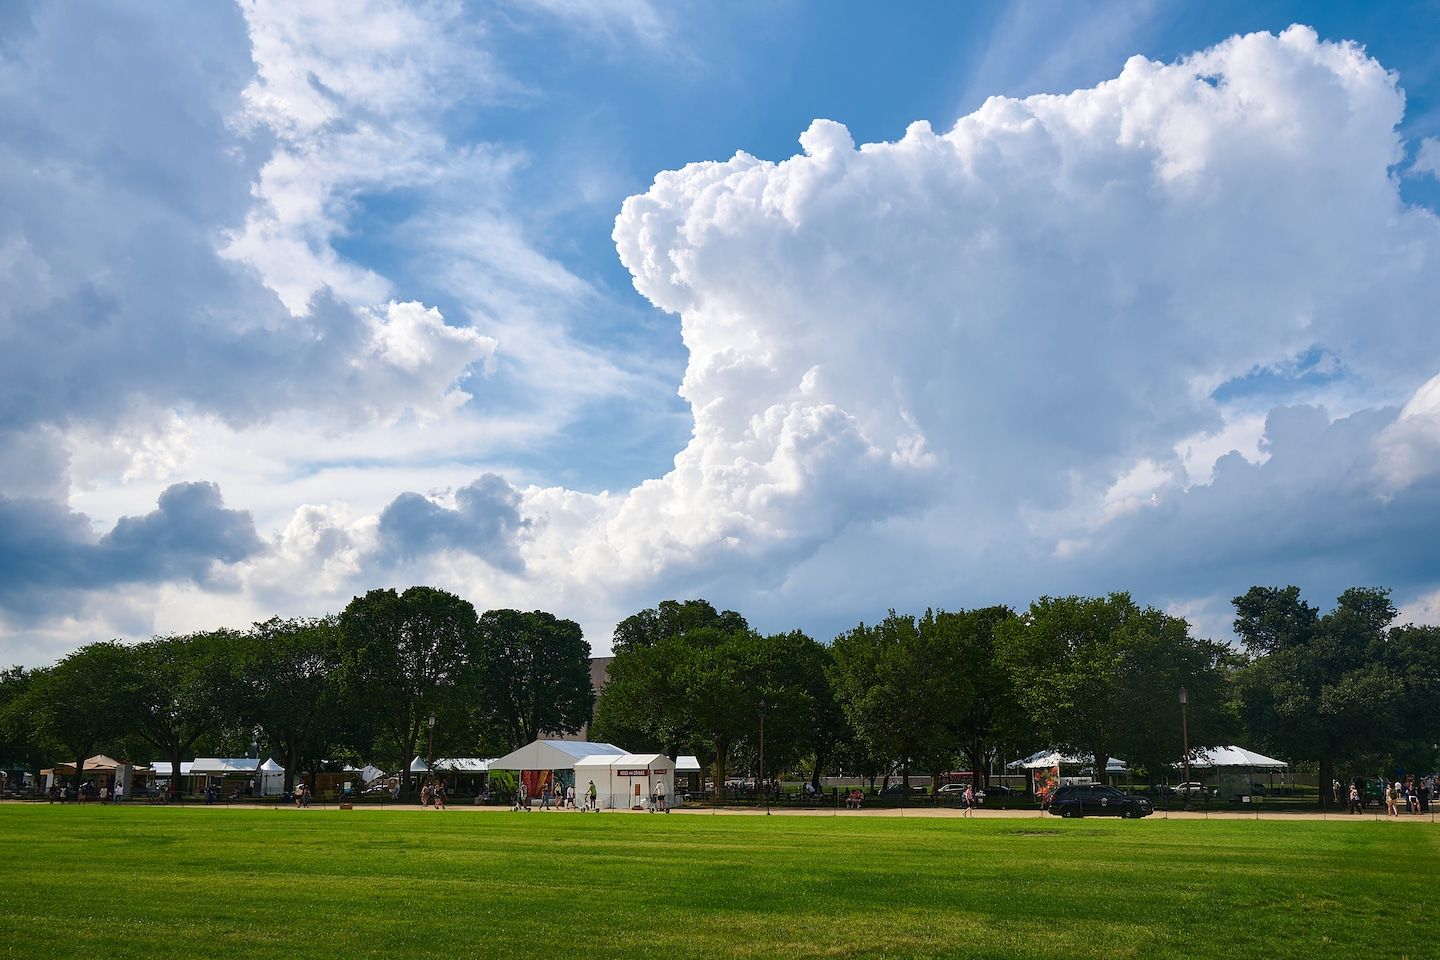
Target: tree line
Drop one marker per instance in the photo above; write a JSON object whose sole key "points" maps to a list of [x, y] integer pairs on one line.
{"points": [[390, 677], [1346, 690], [1096, 676]]}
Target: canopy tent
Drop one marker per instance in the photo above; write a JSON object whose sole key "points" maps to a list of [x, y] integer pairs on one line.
{"points": [[100, 767], [1233, 756], [462, 765], [623, 781], [543, 760], [223, 766], [1053, 758], [418, 766], [687, 769], [272, 778], [1233, 770], [162, 768], [552, 755]]}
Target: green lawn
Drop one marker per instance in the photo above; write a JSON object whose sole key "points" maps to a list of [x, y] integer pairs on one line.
{"points": [[189, 883]]}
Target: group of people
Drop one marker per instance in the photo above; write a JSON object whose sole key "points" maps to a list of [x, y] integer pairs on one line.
{"points": [[433, 794], [88, 791], [1411, 795], [554, 796]]}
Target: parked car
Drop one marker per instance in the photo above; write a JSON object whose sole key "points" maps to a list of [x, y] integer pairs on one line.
{"points": [[897, 789], [1098, 800], [1194, 788], [952, 788]]}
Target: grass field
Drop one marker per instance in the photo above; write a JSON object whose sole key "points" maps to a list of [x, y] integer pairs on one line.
{"points": [[155, 882]]}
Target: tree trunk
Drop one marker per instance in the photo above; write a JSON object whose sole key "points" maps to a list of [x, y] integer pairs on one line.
{"points": [[175, 771], [815, 774], [1327, 777], [1102, 761], [79, 769], [721, 748], [292, 755]]}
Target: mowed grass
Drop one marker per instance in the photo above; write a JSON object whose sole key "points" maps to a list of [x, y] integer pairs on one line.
{"points": [[155, 882]]}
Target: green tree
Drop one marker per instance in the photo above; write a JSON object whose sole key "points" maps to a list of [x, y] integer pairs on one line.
{"points": [[539, 674], [1101, 676], [20, 748], [644, 703], [673, 618], [1319, 689], [290, 671], [406, 657], [84, 702], [891, 679], [1413, 654], [982, 712], [186, 687]]}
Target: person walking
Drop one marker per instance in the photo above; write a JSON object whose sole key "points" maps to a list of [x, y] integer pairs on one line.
{"points": [[1355, 806], [592, 798], [660, 797], [545, 794], [1390, 810], [969, 800], [119, 795], [425, 794], [570, 796]]}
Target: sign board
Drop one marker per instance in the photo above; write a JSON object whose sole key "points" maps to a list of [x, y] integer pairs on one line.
{"points": [[640, 772]]}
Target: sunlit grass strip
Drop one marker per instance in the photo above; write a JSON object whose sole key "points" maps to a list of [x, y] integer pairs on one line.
{"points": [[144, 882]]}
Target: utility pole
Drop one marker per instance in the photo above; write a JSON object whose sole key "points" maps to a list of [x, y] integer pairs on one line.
{"points": [[1185, 737], [764, 781]]}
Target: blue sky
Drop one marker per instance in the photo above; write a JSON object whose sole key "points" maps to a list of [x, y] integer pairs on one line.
{"points": [[302, 302]]}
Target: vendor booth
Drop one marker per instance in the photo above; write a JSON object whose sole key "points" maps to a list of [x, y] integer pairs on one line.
{"points": [[626, 781], [101, 771], [229, 776], [1232, 771], [1050, 769], [272, 778], [553, 762], [687, 774]]}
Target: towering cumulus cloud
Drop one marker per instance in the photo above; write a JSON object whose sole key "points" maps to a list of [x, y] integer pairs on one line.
{"points": [[995, 324]]}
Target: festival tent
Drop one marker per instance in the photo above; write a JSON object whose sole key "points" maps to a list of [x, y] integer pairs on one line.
{"points": [[624, 781], [1233, 756], [224, 766], [1047, 768], [1053, 758], [1234, 770], [552, 755], [272, 778], [99, 767], [539, 760], [688, 769]]}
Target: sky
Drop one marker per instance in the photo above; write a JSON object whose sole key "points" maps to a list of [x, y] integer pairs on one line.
{"points": [[814, 310]]}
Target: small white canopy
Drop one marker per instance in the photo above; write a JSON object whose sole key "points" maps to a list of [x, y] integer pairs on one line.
{"points": [[1233, 756], [219, 766], [418, 766], [1053, 758], [687, 764], [270, 766], [552, 755]]}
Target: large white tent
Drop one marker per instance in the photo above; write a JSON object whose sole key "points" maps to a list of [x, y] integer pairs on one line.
{"points": [[552, 755], [624, 781], [1233, 756]]}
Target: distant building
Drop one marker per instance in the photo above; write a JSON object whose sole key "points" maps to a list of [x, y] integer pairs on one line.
{"points": [[599, 676]]}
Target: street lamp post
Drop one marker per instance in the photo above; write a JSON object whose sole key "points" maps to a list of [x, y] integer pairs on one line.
{"points": [[1185, 738], [764, 785]]}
